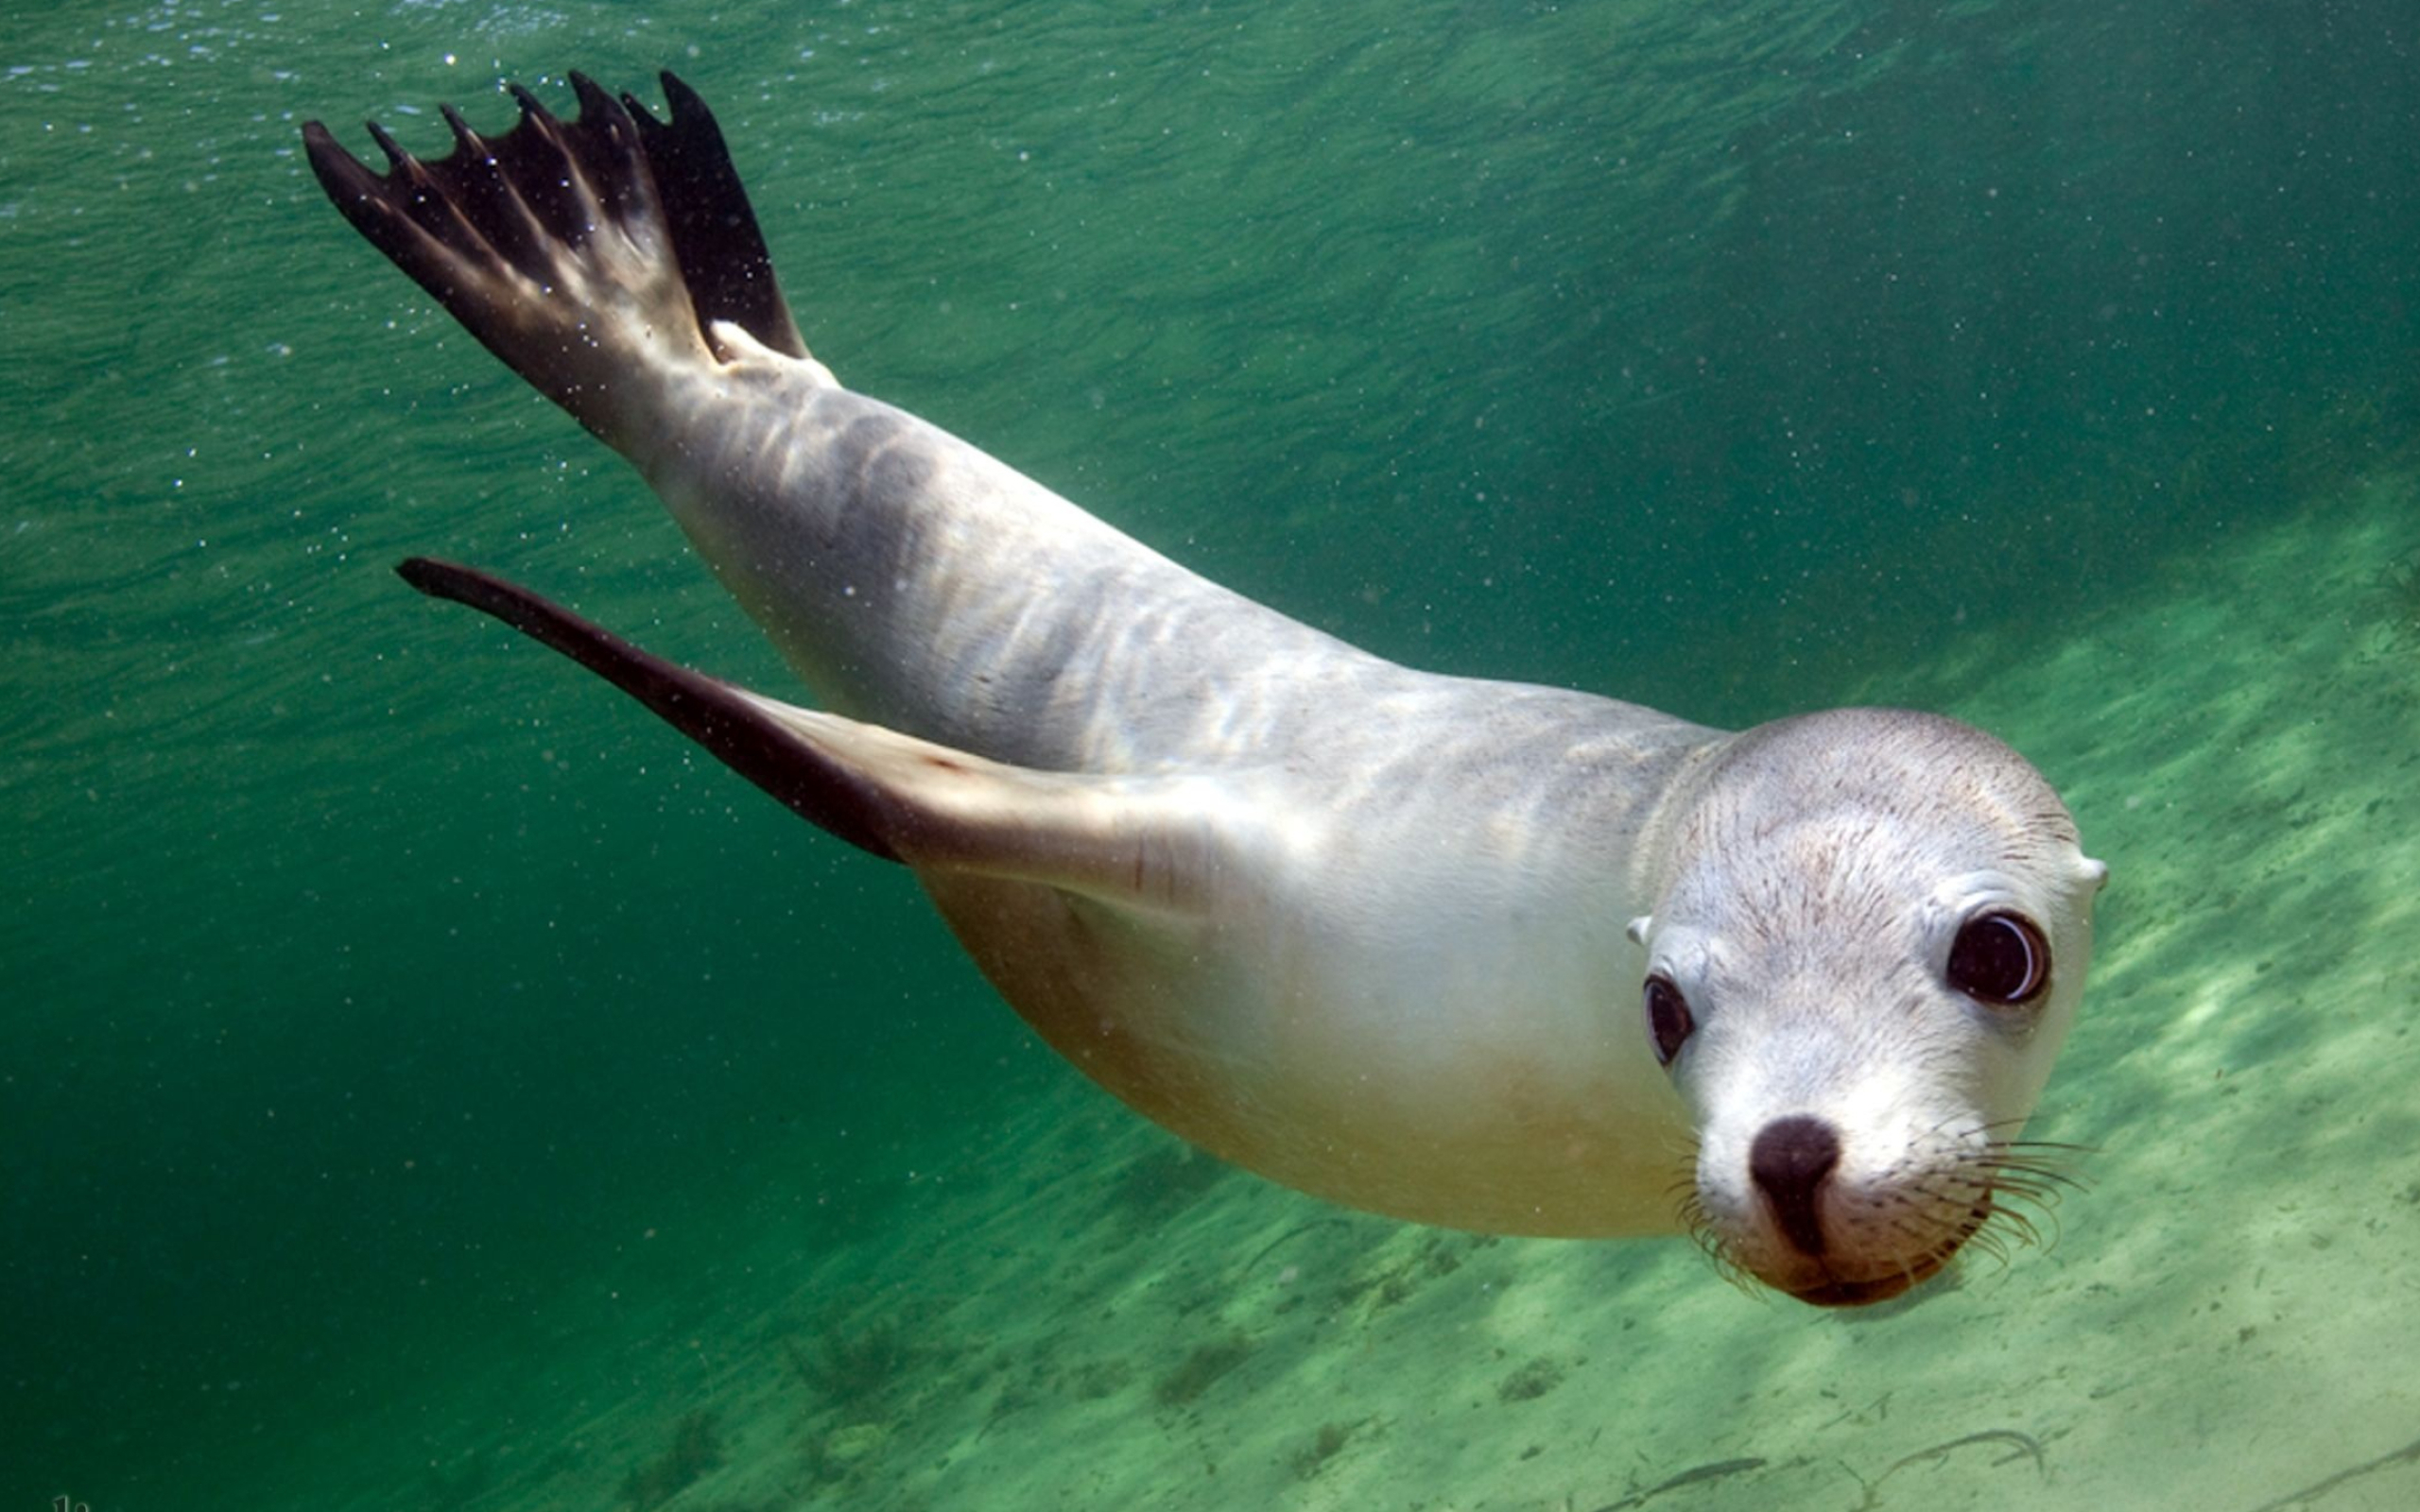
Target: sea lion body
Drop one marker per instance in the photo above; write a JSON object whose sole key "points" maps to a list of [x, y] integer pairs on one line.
{"points": [[1391, 848], [1378, 934]]}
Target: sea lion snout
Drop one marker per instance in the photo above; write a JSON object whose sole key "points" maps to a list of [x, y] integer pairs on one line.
{"points": [[1790, 1161], [1815, 1227], [1836, 1216], [1848, 1200]]}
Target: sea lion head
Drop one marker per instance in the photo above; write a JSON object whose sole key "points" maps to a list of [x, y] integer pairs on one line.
{"points": [[1870, 938]]}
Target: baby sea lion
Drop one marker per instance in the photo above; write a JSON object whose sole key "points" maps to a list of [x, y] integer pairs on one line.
{"points": [[1477, 954]]}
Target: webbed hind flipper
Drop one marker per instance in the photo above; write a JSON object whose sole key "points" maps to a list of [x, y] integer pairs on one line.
{"points": [[572, 249]]}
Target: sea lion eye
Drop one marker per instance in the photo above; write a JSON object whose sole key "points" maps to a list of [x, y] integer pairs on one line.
{"points": [[1667, 1018], [2000, 958]]}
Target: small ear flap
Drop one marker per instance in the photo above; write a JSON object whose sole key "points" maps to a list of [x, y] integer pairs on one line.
{"points": [[1138, 842]]}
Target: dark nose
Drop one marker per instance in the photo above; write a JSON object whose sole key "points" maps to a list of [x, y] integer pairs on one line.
{"points": [[1789, 1161]]}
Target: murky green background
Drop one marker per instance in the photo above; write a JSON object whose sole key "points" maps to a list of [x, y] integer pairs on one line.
{"points": [[366, 978]]}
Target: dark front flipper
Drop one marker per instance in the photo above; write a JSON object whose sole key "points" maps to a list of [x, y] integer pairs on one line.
{"points": [[1148, 844], [569, 248], [734, 726]]}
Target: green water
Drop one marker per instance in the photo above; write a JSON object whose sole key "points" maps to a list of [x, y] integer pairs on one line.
{"points": [[375, 994]]}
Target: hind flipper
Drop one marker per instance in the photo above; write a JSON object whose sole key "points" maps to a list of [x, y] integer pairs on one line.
{"points": [[585, 253], [714, 236]]}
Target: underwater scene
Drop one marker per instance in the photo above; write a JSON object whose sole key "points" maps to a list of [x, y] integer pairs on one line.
{"points": [[428, 1082]]}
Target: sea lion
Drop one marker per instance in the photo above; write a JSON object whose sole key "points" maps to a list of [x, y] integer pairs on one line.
{"points": [[1475, 954]]}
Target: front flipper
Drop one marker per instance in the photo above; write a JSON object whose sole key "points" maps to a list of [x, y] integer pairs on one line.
{"points": [[1138, 841]]}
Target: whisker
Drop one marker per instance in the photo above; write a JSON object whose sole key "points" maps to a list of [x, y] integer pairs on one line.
{"points": [[2058, 1163], [2010, 1221], [2026, 1187], [1699, 1226], [1987, 1242]]}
